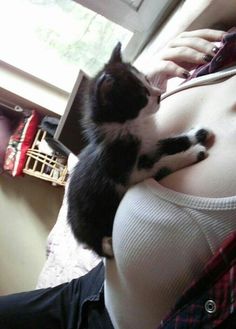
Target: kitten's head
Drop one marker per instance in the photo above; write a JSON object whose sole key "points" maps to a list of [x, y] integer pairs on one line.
{"points": [[119, 92]]}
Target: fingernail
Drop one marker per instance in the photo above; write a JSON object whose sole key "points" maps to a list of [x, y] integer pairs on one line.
{"points": [[207, 58], [215, 49], [186, 74]]}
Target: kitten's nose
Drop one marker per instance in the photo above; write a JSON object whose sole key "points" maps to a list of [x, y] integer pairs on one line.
{"points": [[158, 99]]}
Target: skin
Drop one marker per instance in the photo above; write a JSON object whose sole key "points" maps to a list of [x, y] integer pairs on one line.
{"points": [[213, 177], [182, 54]]}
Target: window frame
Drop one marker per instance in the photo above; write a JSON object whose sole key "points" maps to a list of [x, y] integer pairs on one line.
{"points": [[20, 88], [142, 21]]}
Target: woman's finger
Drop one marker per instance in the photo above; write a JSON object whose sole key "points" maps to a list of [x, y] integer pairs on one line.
{"points": [[185, 52], [201, 45], [185, 55], [163, 72], [166, 70], [207, 34]]}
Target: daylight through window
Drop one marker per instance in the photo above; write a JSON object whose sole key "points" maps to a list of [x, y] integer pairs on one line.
{"points": [[53, 39]]}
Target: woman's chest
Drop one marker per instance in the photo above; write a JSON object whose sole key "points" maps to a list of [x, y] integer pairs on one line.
{"points": [[211, 105], [214, 107]]}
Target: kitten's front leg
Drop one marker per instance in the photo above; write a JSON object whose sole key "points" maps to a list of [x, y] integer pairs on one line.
{"points": [[191, 150], [174, 145], [171, 163], [183, 142], [173, 154]]}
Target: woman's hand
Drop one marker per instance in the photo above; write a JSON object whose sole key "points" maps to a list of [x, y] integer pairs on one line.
{"points": [[184, 53]]}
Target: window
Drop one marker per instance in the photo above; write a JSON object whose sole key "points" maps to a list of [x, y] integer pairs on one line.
{"points": [[141, 17], [54, 39]]}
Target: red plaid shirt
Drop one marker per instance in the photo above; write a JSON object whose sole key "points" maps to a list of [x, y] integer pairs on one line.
{"points": [[210, 302]]}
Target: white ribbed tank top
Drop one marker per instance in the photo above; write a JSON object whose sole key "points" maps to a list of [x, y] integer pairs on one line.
{"points": [[162, 239]]}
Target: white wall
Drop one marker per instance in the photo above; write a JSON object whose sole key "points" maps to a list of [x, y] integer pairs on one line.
{"points": [[28, 210]]}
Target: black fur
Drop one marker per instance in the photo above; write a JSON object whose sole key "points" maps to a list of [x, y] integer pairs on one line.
{"points": [[163, 172], [93, 199], [115, 157]]}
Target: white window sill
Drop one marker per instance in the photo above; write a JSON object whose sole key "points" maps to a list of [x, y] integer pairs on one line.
{"points": [[20, 88]]}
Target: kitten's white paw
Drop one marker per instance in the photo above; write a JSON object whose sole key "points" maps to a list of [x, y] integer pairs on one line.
{"points": [[200, 152], [200, 135]]}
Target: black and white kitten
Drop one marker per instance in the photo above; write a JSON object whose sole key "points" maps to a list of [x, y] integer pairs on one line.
{"points": [[123, 150]]}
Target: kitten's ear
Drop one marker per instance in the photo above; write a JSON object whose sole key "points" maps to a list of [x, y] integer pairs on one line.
{"points": [[116, 54]]}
